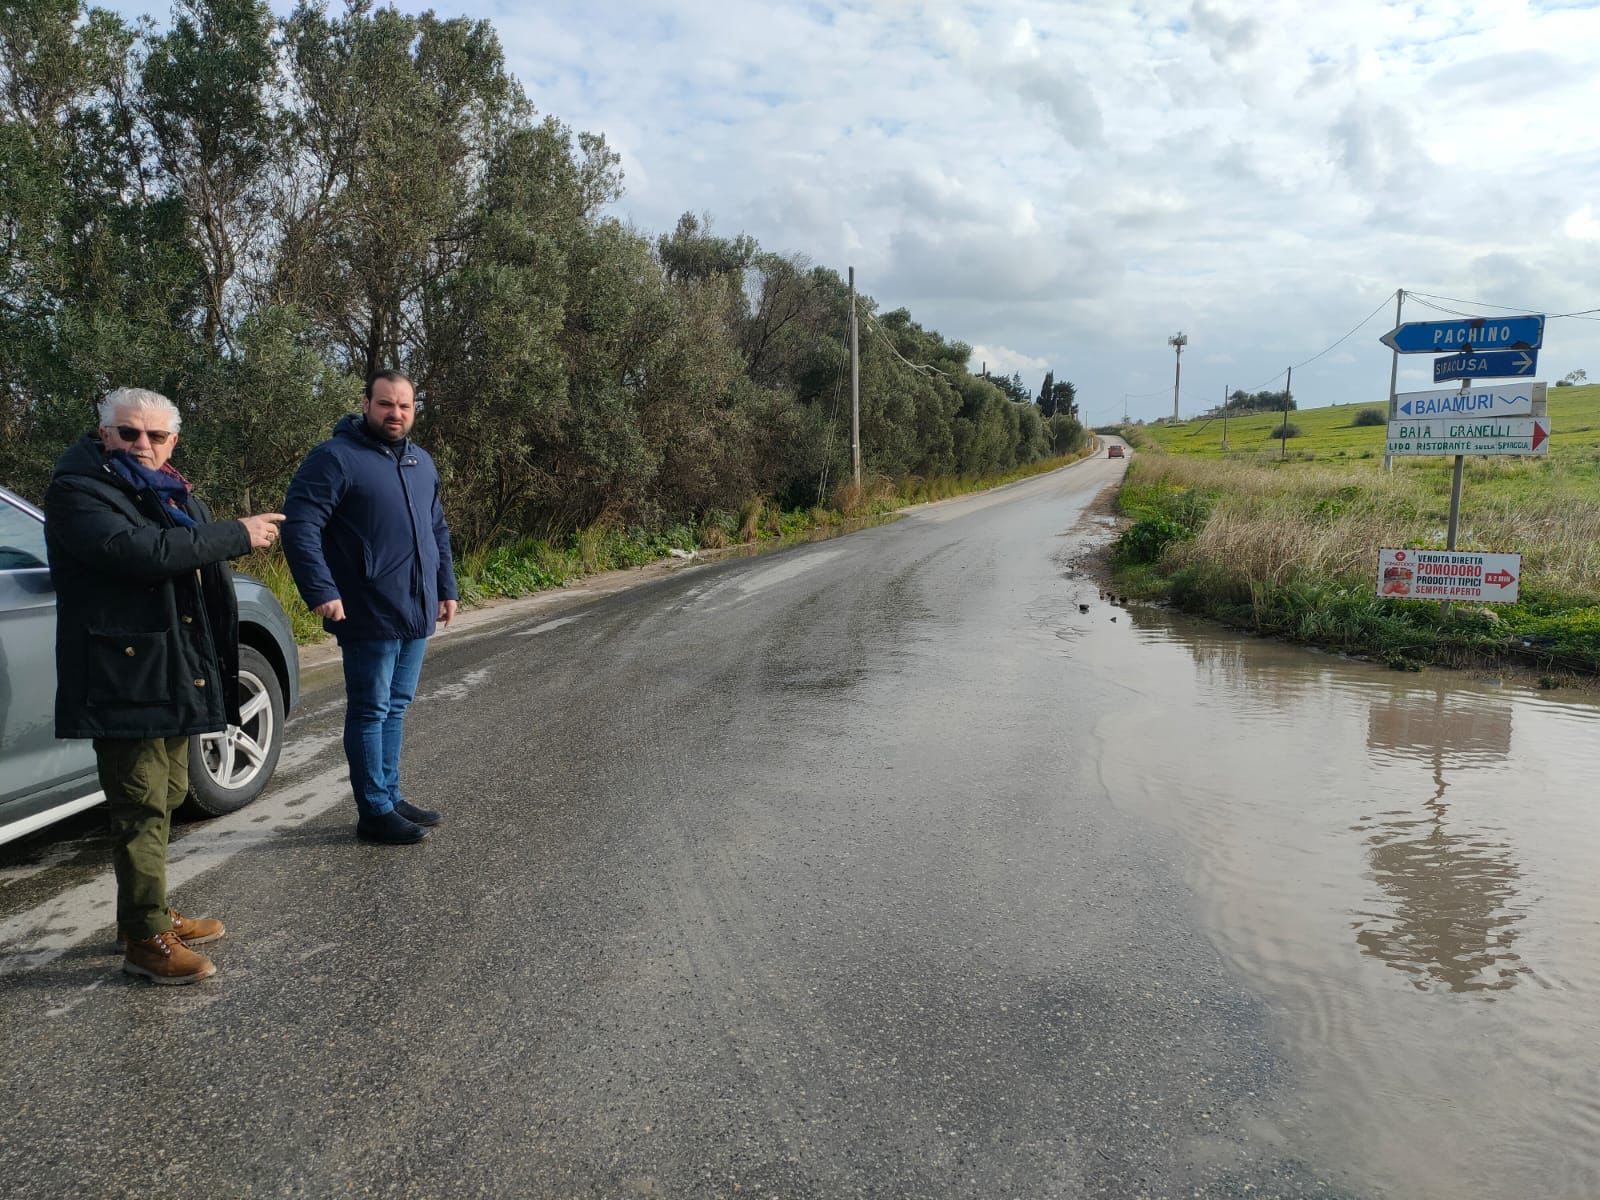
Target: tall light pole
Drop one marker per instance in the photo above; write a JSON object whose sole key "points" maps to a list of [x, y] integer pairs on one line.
{"points": [[1177, 341]]}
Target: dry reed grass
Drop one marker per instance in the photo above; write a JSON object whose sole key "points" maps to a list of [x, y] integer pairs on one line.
{"points": [[1272, 526], [851, 501]]}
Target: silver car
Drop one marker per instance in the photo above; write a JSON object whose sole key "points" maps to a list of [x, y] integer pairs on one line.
{"points": [[42, 778]]}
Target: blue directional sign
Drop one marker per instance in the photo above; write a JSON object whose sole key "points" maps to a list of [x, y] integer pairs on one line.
{"points": [[1492, 401], [1502, 364], [1466, 333]]}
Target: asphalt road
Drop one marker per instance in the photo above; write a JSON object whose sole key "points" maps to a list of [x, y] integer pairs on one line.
{"points": [[788, 876]]}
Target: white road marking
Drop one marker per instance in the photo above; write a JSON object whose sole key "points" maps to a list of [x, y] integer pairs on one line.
{"points": [[753, 583], [549, 625], [462, 688], [45, 932], [52, 857], [303, 750], [42, 934], [67, 1006]]}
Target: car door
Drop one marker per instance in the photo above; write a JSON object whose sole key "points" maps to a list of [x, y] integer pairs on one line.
{"points": [[37, 771]]}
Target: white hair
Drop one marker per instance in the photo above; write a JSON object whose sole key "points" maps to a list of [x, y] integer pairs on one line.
{"points": [[135, 399]]}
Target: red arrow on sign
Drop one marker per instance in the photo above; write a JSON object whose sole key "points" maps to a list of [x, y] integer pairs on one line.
{"points": [[1539, 434], [1501, 578]]}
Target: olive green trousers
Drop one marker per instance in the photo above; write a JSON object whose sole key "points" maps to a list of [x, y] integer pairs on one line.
{"points": [[144, 780]]}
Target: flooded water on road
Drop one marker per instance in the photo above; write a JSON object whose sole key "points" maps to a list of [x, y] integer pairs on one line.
{"points": [[1403, 867]]}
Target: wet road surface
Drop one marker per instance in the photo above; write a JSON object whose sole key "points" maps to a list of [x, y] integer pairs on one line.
{"points": [[871, 867]]}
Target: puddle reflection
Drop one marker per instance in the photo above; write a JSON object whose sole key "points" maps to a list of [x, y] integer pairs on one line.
{"points": [[1435, 726], [1452, 918], [1389, 859], [1447, 910]]}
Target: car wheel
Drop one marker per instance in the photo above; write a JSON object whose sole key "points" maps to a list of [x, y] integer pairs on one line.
{"points": [[228, 770]]}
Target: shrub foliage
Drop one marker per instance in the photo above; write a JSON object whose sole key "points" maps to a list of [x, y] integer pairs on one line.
{"points": [[250, 214]]}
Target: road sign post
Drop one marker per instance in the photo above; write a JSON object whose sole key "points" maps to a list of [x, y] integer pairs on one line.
{"points": [[1394, 370], [1474, 420]]}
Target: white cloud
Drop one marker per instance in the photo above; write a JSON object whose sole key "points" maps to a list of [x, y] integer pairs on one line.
{"points": [[1066, 182], [1002, 360], [1229, 36], [1583, 226]]}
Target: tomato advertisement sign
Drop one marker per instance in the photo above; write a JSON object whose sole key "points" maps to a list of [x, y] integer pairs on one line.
{"points": [[1456, 575]]}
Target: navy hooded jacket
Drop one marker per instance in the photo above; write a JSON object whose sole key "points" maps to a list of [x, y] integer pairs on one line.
{"points": [[365, 526]]}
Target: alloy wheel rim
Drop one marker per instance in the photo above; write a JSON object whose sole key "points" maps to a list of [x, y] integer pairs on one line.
{"points": [[234, 757]]}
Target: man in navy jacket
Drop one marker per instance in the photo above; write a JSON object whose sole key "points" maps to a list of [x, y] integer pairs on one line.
{"points": [[367, 543]]}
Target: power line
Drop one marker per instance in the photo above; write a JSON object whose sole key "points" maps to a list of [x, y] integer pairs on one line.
{"points": [[1264, 382], [1382, 304], [833, 417], [1454, 312], [1583, 314], [925, 368], [1355, 330]]}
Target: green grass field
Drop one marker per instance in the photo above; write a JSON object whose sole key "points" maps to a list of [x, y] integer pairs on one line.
{"points": [[1331, 432]]}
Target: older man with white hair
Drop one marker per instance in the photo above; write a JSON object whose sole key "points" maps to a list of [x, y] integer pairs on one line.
{"points": [[147, 649]]}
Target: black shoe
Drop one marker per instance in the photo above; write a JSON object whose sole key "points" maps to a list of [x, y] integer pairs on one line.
{"points": [[420, 816], [388, 829]]}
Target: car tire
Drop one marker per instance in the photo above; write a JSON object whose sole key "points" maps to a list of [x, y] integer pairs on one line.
{"points": [[228, 770]]}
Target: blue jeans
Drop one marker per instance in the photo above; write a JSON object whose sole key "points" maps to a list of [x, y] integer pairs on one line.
{"points": [[380, 680]]}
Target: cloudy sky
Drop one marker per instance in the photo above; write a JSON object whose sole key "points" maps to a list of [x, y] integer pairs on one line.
{"points": [[1066, 185]]}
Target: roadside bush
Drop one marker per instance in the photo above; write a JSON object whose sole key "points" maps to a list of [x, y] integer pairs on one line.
{"points": [[1288, 430], [1370, 416], [1146, 538]]}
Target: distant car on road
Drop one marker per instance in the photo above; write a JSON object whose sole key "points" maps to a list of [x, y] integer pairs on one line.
{"points": [[43, 778], [1114, 451]]}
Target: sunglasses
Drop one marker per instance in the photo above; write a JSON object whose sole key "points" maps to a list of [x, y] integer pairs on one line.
{"points": [[158, 437]]}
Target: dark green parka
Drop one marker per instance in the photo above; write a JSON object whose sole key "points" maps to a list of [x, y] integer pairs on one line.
{"points": [[147, 627]]}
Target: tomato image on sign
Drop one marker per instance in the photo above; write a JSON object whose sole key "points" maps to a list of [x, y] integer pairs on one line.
{"points": [[1397, 580]]}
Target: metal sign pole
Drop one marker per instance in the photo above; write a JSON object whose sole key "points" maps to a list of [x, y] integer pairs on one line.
{"points": [[1394, 371], [1455, 503]]}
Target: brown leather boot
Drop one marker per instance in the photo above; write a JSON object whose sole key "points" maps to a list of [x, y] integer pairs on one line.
{"points": [[194, 931], [165, 959]]}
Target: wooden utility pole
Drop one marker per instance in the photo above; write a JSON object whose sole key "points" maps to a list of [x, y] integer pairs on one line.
{"points": [[855, 391], [1224, 416], [1283, 433]]}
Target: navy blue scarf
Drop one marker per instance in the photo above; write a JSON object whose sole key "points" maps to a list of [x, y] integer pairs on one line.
{"points": [[170, 488]]}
